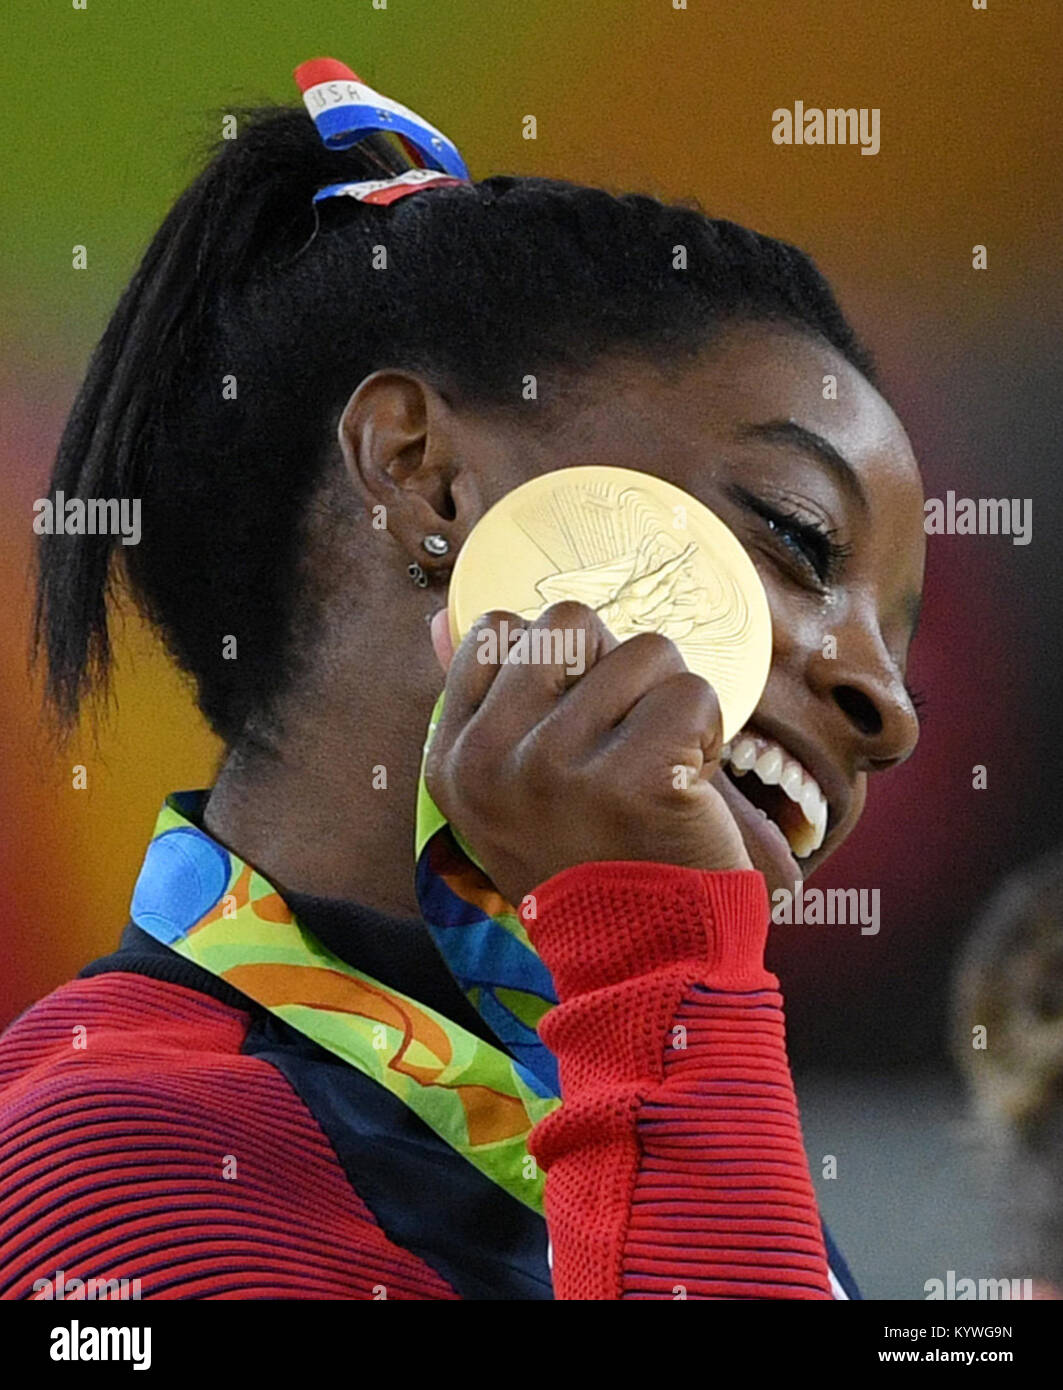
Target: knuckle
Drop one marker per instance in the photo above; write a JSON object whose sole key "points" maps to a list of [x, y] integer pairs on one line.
{"points": [[696, 690], [696, 705], [568, 613], [494, 618], [655, 653], [656, 650]]}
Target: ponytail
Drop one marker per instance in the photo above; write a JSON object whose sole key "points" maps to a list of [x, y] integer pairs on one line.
{"points": [[245, 214], [215, 392]]}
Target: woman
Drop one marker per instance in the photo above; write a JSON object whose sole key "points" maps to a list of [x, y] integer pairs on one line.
{"points": [[315, 401]]}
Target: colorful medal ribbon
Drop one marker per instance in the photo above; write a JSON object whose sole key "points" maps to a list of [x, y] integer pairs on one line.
{"points": [[481, 937], [203, 902], [207, 905]]}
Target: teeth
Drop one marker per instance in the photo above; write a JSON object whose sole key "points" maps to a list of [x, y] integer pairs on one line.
{"points": [[791, 781], [819, 825], [810, 799], [775, 767], [768, 767], [744, 755], [802, 841]]}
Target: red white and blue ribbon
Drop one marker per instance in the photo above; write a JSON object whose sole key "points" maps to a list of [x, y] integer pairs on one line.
{"points": [[346, 110], [385, 191]]}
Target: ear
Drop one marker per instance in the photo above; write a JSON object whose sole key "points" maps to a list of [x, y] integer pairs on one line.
{"points": [[401, 443]]}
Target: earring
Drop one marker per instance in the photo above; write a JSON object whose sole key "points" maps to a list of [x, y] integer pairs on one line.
{"points": [[418, 575], [436, 544]]}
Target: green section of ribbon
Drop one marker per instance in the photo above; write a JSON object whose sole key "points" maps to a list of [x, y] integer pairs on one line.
{"points": [[468, 1092], [430, 818]]}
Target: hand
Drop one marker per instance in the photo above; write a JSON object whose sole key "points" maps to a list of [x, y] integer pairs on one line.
{"points": [[540, 770]]}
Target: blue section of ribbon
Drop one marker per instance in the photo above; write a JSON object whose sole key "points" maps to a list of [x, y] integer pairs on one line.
{"points": [[485, 954], [344, 125], [484, 957], [522, 1043], [184, 875], [522, 1060]]}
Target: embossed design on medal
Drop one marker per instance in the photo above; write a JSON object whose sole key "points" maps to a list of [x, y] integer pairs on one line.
{"points": [[618, 553], [644, 554]]}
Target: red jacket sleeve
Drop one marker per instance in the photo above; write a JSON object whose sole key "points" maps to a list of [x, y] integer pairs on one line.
{"points": [[675, 1166]]}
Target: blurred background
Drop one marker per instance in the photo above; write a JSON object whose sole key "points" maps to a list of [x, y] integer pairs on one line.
{"points": [[106, 109]]}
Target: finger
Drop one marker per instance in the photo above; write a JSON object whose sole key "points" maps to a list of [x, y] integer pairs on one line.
{"points": [[555, 652], [441, 643], [681, 715], [469, 677], [618, 681]]}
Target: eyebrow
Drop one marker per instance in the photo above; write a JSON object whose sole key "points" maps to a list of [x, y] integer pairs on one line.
{"points": [[788, 434]]}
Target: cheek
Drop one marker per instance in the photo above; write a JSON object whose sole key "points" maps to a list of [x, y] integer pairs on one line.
{"points": [[796, 625]]}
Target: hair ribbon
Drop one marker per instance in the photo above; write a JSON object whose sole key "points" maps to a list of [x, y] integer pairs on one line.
{"points": [[345, 110]]}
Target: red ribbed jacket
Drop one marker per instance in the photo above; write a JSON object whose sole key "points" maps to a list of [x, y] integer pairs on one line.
{"points": [[675, 1166]]}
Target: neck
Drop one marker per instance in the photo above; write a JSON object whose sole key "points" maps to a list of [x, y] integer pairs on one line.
{"points": [[312, 821], [307, 833]]}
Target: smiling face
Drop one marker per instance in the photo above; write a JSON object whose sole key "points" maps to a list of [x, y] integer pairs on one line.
{"points": [[825, 495]]}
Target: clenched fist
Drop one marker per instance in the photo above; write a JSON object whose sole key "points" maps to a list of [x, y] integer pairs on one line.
{"points": [[540, 769]]}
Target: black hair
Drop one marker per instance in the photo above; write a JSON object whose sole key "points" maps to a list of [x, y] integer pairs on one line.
{"points": [[248, 279]]}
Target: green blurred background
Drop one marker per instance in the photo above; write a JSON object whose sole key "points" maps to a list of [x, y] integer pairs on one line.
{"points": [[106, 109]]}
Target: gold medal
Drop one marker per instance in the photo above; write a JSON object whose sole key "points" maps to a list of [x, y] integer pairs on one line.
{"points": [[645, 555]]}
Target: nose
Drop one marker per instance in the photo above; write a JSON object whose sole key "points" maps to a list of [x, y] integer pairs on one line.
{"points": [[864, 684]]}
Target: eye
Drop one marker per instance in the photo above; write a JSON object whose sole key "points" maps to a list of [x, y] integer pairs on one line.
{"points": [[807, 541]]}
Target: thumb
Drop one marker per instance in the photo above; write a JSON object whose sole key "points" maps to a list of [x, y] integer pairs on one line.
{"points": [[441, 643]]}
